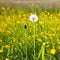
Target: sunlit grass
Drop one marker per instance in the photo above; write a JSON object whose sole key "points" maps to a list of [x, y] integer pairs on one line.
{"points": [[38, 41]]}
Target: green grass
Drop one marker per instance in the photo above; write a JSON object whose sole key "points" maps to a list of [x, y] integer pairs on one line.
{"points": [[39, 41]]}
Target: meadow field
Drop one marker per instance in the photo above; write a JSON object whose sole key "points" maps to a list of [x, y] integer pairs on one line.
{"points": [[21, 39]]}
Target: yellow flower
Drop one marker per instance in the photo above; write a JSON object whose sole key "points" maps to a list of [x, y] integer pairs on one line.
{"points": [[18, 22], [19, 16], [42, 33], [1, 50], [58, 42], [53, 51], [3, 8], [14, 39], [7, 59], [7, 46], [22, 20], [47, 46], [29, 37], [20, 44], [50, 35], [59, 47], [8, 32], [53, 30], [39, 40], [33, 36], [0, 40], [36, 23], [47, 42], [1, 30], [33, 5], [51, 38]]}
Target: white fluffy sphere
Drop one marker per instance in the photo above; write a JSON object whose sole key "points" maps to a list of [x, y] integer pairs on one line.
{"points": [[33, 18]]}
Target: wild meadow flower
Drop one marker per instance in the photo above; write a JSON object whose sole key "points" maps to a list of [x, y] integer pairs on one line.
{"points": [[8, 31], [59, 47], [47, 42], [53, 51], [20, 44], [33, 5], [7, 46], [1, 50], [1, 41], [7, 59], [14, 39], [39, 40], [59, 42], [2, 29], [3, 8], [47, 46], [18, 22], [29, 37], [50, 35]]}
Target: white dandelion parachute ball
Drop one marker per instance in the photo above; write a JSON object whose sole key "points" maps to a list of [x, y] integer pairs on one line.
{"points": [[33, 18]]}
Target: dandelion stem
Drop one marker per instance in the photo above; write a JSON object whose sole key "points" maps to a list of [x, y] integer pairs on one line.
{"points": [[34, 42]]}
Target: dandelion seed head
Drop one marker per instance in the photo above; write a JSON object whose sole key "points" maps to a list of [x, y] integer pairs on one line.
{"points": [[33, 18]]}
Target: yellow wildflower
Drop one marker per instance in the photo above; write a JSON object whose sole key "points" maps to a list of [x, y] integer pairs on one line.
{"points": [[47, 46], [7, 59], [59, 42], [33, 5], [1, 30], [29, 37], [59, 47], [20, 44], [33, 36], [7, 46], [50, 35], [14, 39], [53, 51], [53, 30], [42, 33], [3, 8], [57, 39], [47, 42], [0, 40], [1, 50], [8, 32], [18, 22], [39, 40]]}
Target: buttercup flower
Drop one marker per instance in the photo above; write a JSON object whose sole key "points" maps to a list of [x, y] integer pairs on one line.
{"points": [[1, 50], [53, 51]]}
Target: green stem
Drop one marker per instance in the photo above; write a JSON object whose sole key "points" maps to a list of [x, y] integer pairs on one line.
{"points": [[34, 42], [43, 51]]}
